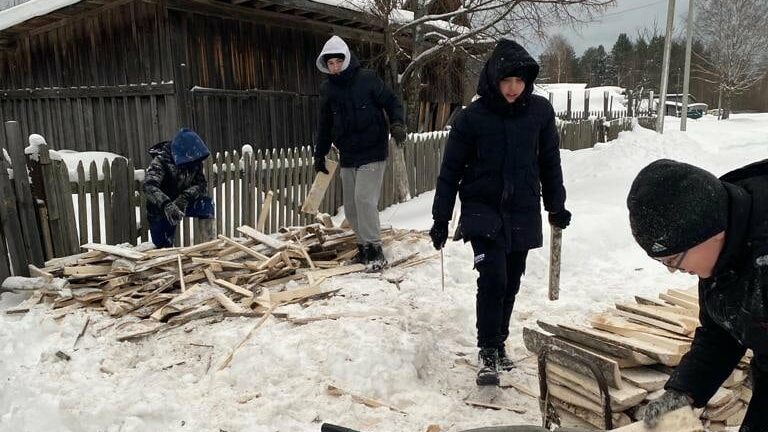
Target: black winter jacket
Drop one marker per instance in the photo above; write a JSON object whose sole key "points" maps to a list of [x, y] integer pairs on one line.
{"points": [[501, 158], [164, 181], [352, 106], [734, 302]]}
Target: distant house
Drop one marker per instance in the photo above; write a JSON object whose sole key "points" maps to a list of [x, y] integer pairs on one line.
{"points": [[121, 75]]}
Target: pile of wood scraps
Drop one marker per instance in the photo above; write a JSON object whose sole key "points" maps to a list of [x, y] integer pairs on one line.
{"points": [[157, 289], [634, 348]]}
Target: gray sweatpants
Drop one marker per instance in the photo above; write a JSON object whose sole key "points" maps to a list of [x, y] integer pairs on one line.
{"points": [[361, 188]]}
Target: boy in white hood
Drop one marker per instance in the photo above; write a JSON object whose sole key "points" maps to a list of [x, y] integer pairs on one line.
{"points": [[352, 106]]}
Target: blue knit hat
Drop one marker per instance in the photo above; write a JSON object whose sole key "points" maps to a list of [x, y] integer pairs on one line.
{"points": [[187, 147]]}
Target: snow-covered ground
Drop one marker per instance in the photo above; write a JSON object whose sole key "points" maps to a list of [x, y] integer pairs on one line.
{"points": [[409, 347]]}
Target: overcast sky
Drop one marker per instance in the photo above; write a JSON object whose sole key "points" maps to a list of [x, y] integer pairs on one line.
{"points": [[628, 16]]}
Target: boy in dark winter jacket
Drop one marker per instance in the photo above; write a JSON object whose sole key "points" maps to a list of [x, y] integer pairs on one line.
{"points": [[352, 105], [503, 153], [175, 187], [689, 220]]}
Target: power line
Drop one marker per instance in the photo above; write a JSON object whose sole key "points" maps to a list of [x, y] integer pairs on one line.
{"points": [[610, 15]]}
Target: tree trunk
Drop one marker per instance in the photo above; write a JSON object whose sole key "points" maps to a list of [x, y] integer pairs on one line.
{"points": [[727, 107], [402, 186]]}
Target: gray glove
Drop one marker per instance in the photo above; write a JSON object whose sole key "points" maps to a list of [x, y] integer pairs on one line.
{"points": [[669, 401], [173, 213], [398, 133]]}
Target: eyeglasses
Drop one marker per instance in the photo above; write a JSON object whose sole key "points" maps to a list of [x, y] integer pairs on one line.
{"points": [[673, 262]]}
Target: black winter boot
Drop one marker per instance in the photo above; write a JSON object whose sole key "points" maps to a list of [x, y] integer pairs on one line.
{"points": [[488, 374], [376, 259], [505, 363], [361, 257]]}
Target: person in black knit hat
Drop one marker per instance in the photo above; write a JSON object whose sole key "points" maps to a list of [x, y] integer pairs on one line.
{"points": [[502, 156], [717, 229]]}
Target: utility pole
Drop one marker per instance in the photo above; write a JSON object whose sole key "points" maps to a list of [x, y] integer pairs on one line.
{"points": [[687, 76], [665, 68]]}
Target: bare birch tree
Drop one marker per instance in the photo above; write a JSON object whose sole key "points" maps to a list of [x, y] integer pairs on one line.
{"points": [[735, 40]]}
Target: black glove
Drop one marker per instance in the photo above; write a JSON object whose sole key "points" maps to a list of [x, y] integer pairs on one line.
{"points": [[398, 133], [181, 202], [320, 165], [669, 401], [560, 219], [173, 213], [439, 234]]}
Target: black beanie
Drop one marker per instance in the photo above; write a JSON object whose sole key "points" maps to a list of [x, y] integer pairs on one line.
{"points": [[674, 206], [327, 57]]}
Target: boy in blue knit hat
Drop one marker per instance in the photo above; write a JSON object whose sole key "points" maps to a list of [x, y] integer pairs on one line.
{"points": [[175, 186]]}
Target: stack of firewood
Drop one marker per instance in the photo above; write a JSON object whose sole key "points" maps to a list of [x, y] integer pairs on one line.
{"points": [[634, 348], [164, 288]]}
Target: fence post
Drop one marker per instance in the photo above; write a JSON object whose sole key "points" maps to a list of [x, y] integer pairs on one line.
{"points": [[121, 201], [11, 225], [569, 113], [586, 104], [630, 103], [26, 205]]}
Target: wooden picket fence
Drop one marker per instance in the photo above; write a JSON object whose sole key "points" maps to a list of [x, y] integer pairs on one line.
{"points": [[106, 204]]}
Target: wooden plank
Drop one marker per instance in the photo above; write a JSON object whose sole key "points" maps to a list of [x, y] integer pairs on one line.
{"points": [[228, 304], [679, 302], [227, 264], [219, 200], [238, 289], [582, 339], [689, 296], [666, 344], [286, 296], [121, 202], [535, 341], [264, 212], [87, 270], [30, 231], [338, 271], [689, 324], [132, 232], [93, 180], [82, 209], [594, 419], [621, 399], [263, 238], [668, 358], [590, 409], [109, 228], [674, 328], [372, 403], [115, 250], [236, 191], [319, 186], [681, 420], [11, 225], [181, 275], [613, 320], [645, 378], [68, 210], [228, 221], [244, 248]]}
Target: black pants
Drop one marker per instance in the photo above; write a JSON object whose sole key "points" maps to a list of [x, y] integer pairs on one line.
{"points": [[497, 286]]}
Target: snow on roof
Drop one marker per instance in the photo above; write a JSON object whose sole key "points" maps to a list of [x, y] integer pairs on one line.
{"points": [[398, 16], [32, 8]]}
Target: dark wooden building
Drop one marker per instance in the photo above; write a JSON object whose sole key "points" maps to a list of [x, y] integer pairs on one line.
{"points": [[120, 75]]}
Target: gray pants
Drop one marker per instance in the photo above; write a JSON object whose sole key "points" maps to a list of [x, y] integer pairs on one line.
{"points": [[362, 188]]}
